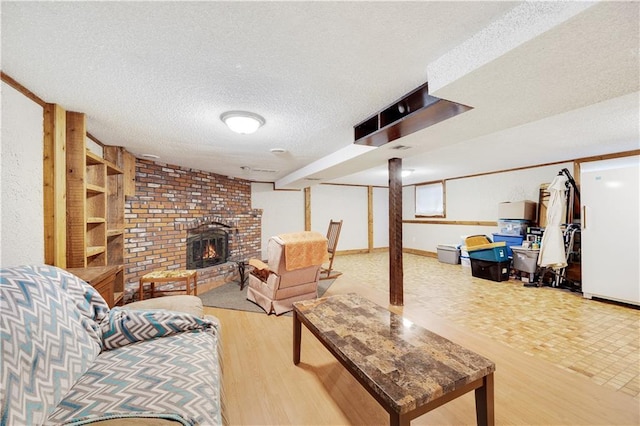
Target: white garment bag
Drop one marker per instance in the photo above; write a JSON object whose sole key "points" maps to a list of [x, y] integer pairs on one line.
{"points": [[552, 251]]}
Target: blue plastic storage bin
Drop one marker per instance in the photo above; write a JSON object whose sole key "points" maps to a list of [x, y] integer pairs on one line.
{"points": [[493, 254], [513, 226], [511, 240]]}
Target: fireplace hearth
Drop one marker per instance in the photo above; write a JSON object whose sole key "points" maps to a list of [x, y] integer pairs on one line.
{"points": [[207, 245]]}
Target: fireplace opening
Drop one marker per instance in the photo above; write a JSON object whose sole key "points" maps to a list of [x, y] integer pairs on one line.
{"points": [[207, 246]]}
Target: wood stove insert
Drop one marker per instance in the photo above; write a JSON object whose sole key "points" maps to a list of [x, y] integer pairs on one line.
{"points": [[207, 245]]}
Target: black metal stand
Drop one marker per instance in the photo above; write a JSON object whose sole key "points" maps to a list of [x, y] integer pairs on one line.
{"points": [[241, 270]]}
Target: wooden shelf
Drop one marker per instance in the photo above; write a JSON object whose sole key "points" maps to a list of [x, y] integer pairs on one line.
{"points": [[95, 250], [114, 232], [112, 169], [96, 220], [95, 189], [415, 111], [93, 159]]}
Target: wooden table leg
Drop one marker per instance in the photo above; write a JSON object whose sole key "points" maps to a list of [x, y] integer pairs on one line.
{"points": [[195, 284], [297, 337], [396, 419], [141, 291], [485, 415]]}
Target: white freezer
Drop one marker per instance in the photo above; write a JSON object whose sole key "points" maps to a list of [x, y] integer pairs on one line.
{"points": [[610, 200]]}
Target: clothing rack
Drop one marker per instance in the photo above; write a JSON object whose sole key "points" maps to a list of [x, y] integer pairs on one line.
{"points": [[570, 181], [571, 235]]}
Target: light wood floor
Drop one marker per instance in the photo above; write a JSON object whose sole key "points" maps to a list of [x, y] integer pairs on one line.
{"points": [[552, 351]]}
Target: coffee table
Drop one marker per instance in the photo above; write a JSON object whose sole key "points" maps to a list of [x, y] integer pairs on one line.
{"points": [[408, 369]]}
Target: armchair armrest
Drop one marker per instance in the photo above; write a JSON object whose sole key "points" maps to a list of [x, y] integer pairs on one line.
{"points": [[260, 269]]}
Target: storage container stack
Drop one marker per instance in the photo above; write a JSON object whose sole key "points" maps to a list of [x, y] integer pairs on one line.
{"points": [[488, 260], [465, 260], [514, 220]]}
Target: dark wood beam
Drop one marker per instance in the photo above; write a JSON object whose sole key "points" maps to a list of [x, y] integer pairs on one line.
{"points": [[396, 276], [415, 111]]}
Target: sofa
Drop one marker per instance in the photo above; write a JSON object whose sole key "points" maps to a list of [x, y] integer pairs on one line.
{"points": [[291, 273], [67, 358]]}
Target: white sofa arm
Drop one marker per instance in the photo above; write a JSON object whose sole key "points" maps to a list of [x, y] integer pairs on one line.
{"points": [[181, 303]]}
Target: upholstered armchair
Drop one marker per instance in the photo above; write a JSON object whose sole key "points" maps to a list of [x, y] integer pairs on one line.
{"points": [[291, 273]]}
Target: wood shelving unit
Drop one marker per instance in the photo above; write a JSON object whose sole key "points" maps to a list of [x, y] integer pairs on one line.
{"points": [[116, 161], [95, 207]]}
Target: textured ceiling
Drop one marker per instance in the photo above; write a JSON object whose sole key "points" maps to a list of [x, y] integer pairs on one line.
{"points": [[549, 81]]}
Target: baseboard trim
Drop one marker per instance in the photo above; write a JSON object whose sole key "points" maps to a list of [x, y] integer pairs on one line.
{"points": [[424, 253], [383, 249]]}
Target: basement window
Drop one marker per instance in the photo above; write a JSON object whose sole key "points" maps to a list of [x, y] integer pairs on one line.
{"points": [[430, 200]]}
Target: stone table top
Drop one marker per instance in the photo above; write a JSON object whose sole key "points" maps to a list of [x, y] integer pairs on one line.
{"points": [[406, 365]]}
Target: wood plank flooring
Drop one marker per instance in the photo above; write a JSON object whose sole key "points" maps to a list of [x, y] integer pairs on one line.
{"points": [[536, 336]]}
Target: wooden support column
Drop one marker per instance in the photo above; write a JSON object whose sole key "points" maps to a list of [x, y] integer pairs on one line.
{"points": [[307, 209], [396, 277], [55, 186], [76, 190], [129, 168]]}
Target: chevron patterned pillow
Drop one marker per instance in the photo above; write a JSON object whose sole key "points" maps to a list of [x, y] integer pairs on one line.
{"points": [[123, 326]]}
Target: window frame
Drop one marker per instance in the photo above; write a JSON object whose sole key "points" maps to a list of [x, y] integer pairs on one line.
{"points": [[439, 186]]}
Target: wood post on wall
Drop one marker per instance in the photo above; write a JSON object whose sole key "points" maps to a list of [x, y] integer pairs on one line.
{"points": [[55, 186], [396, 276], [370, 218], [129, 167], [307, 209], [76, 198]]}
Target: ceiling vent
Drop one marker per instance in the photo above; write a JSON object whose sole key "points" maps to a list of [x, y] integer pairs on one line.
{"points": [[250, 169], [264, 170], [415, 111], [400, 147]]}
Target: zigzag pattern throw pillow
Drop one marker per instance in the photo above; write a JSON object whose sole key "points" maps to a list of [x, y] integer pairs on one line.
{"points": [[124, 327]]}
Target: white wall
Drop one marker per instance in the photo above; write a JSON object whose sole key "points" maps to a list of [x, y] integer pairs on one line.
{"points": [[477, 198], [474, 199], [380, 217], [346, 203], [282, 211], [21, 203]]}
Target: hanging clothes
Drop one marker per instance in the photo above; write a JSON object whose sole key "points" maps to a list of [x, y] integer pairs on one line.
{"points": [[552, 250]]}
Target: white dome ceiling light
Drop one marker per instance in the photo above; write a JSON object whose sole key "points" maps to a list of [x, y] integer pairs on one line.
{"points": [[242, 122]]}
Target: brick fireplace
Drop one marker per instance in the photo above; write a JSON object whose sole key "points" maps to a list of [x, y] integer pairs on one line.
{"points": [[171, 203]]}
